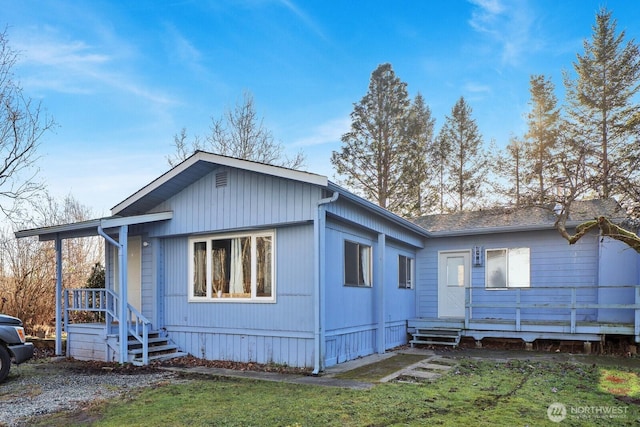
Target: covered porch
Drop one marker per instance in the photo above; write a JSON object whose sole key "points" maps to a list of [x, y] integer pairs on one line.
{"points": [[126, 333]]}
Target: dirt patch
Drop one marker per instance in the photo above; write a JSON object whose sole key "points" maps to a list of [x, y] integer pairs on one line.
{"points": [[190, 361]]}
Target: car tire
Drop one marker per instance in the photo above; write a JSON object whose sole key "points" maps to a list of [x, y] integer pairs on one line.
{"points": [[5, 362]]}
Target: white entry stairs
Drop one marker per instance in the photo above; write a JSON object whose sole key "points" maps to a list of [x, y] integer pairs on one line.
{"points": [[436, 336], [160, 348]]}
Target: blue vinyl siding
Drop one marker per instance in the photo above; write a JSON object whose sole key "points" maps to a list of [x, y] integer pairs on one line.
{"points": [[248, 200], [367, 220], [619, 265], [352, 313], [280, 332], [553, 262], [400, 304]]}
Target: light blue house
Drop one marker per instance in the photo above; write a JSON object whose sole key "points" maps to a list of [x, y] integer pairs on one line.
{"points": [[508, 273], [227, 259]]}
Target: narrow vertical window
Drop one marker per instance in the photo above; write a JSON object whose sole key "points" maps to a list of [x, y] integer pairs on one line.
{"points": [[507, 268], [263, 255], [220, 266], [240, 281], [497, 268], [357, 264], [200, 269], [405, 272]]}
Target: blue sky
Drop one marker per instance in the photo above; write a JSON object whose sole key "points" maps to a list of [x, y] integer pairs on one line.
{"points": [[122, 78]]}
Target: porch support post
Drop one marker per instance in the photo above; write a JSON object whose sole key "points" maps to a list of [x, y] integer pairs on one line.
{"points": [[122, 261], [59, 313], [380, 282]]}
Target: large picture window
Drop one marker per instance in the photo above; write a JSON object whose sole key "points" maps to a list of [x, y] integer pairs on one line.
{"points": [[405, 272], [507, 268], [232, 267], [357, 264]]}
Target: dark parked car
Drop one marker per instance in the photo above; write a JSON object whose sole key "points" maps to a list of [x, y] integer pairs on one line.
{"points": [[13, 344]]}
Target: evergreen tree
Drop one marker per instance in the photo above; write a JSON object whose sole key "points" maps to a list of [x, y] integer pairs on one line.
{"points": [[385, 145], [541, 140], [439, 158], [509, 166], [601, 105], [420, 124], [467, 163]]}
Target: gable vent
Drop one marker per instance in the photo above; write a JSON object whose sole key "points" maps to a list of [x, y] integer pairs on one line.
{"points": [[222, 178]]}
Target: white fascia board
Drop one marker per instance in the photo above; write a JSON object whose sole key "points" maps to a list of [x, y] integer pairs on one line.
{"points": [[58, 229], [278, 171], [90, 228], [136, 219], [263, 168]]}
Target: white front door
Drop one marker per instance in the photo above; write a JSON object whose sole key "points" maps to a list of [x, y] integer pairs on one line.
{"points": [[134, 271], [454, 275]]}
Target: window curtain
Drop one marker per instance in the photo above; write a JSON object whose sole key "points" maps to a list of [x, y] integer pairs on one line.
{"points": [[365, 262], [237, 273], [200, 269], [218, 269]]}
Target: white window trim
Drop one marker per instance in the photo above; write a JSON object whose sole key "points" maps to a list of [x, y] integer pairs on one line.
{"points": [[410, 273], [369, 264], [507, 287], [209, 298]]}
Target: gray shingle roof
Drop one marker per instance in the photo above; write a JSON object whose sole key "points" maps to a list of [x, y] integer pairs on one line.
{"points": [[523, 218]]}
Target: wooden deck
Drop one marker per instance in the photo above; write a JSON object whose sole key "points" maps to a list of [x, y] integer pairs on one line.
{"points": [[528, 331], [580, 313]]}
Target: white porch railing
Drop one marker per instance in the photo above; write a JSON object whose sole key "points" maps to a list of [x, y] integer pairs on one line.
{"points": [[518, 299], [106, 301]]}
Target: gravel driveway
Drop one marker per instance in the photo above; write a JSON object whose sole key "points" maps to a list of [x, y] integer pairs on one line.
{"points": [[42, 387]]}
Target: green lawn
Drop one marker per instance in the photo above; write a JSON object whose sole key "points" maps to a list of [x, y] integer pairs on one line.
{"points": [[475, 393]]}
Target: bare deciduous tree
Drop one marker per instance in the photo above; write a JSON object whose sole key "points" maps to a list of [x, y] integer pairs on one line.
{"points": [[23, 122], [27, 266], [238, 133]]}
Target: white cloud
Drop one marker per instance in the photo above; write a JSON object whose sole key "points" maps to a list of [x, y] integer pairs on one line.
{"points": [[325, 133], [308, 22], [477, 88], [510, 27], [51, 61], [182, 49]]}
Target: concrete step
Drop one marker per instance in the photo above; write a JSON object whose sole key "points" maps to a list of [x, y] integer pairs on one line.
{"points": [[159, 357], [436, 336], [155, 349]]}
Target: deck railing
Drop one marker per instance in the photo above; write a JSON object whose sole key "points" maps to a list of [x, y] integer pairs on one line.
{"points": [[522, 298], [107, 303]]}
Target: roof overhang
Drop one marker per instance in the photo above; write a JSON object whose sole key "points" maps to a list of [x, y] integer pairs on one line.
{"points": [[503, 229], [90, 228], [372, 207], [195, 167]]}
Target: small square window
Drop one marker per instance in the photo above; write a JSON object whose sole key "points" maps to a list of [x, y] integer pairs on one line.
{"points": [[507, 268]]}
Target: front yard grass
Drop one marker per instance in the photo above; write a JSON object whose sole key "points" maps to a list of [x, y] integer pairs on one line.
{"points": [[478, 393]]}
